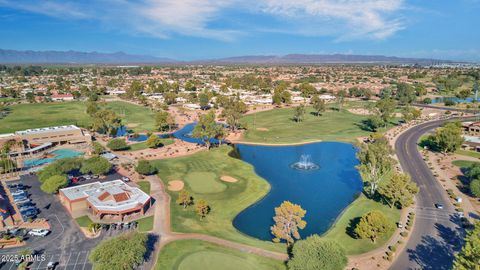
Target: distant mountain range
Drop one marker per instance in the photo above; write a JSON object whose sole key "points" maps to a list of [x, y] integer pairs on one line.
{"points": [[75, 57]]}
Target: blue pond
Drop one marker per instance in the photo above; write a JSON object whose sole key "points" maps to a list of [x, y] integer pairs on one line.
{"points": [[454, 99], [183, 134], [324, 192], [57, 154]]}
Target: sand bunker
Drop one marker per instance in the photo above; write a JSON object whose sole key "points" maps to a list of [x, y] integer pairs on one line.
{"points": [[229, 179], [262, 129], [175, 185]]}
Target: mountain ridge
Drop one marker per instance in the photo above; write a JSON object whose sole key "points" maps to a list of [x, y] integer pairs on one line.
{"points": [[77, 57]]}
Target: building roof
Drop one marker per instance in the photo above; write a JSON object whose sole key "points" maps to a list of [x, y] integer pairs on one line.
{"points": [[47, 130], [108, 196]]}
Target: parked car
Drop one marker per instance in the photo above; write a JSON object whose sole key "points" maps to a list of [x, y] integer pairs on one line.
{"points": [[439, 206], [19, 198], [28, 208], [18, 186], [51, 265], [39, 232], [23, 201], [125, 179], [19, 192]]}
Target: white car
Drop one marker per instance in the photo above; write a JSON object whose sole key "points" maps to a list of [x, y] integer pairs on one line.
{"points": [[39, 232], [125, 179]]}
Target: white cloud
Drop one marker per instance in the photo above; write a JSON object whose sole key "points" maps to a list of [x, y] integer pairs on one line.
{"points": [[347, 19], [343, 19]]}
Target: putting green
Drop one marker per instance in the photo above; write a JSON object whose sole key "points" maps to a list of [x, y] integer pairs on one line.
{"points": [[213, 260], [204, 182]]}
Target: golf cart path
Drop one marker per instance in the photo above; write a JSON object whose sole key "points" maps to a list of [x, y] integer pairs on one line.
{"points": [[161, 226]]}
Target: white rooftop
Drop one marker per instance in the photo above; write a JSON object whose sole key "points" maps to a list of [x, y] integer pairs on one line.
{"points": [[47, 129], [111, 196]]}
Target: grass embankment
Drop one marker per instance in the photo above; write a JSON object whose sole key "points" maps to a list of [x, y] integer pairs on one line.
{"points": [[144, 186], [468, 153], [342, 230], [199, 255], [201, 173], [277, 126], [84, 221], [464, 163], [143, 145], [25, 116], [145, 224]]}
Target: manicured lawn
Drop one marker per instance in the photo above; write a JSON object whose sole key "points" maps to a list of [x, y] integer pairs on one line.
{"points": [[468, 153], [277, 126], [359, 207], [143, 145], [226, 204], [199, 255], [464, 163], [145, 224], [144, 186], [84, 221], [204, 182], [24, 116], [135, 117]]}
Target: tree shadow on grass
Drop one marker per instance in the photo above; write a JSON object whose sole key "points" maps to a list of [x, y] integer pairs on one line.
{"points": [[152, 240], [350, 230]]}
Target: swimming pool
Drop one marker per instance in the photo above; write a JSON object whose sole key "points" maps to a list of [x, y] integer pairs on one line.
{"points": [[57, 154], [323, 190]]}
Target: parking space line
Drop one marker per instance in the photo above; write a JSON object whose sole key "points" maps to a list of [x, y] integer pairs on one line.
{"points": [[76, 261], [13, 264], [85, 262], [66, 263]]}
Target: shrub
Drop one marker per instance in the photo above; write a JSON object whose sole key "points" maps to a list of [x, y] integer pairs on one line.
{"points": [[54, 183], [145, 167], [404, 234], [117, 144], [393, 248], [317, 253]]}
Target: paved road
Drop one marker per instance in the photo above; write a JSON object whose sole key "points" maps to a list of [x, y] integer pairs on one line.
{"points": [[436, 234]]}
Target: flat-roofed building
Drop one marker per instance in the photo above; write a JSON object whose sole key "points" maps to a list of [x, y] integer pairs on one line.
{"points": [[56, 135], [107, 198]]}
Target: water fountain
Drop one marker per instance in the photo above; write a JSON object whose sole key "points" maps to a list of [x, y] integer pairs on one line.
{"points": [[305, 163]]}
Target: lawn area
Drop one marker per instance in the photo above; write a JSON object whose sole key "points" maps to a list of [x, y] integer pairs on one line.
{"points": [[145, 224], [143, 145], [83, 221], [277, 126], [359, 207], [464, 163], [468, 153], [226, 199], [25, 116], [144, 186], [200, 255], [135, 117]]}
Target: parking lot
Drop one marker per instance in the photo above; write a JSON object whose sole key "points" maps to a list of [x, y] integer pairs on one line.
{"points": [[65, 239]]}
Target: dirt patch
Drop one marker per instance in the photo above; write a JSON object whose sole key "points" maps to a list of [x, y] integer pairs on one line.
{"points": [[359, 111], [175, 185], [262, 129], [228, 179], [132, 125]]}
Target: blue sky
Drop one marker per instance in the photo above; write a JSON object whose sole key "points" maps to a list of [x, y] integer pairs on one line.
{"points": [[204, 29]]}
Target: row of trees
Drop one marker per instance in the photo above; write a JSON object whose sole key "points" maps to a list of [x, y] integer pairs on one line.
{"points": [[54, 176], [381, 181]]}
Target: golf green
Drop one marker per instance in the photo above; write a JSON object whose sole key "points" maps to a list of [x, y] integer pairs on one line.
{"points": [[213, 260], [204, 182]]}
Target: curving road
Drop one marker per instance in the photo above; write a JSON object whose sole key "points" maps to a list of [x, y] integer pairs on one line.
{"points": [[436, 234]]}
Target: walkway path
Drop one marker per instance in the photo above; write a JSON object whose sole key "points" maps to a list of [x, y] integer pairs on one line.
{"points": [[162, 228]]}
